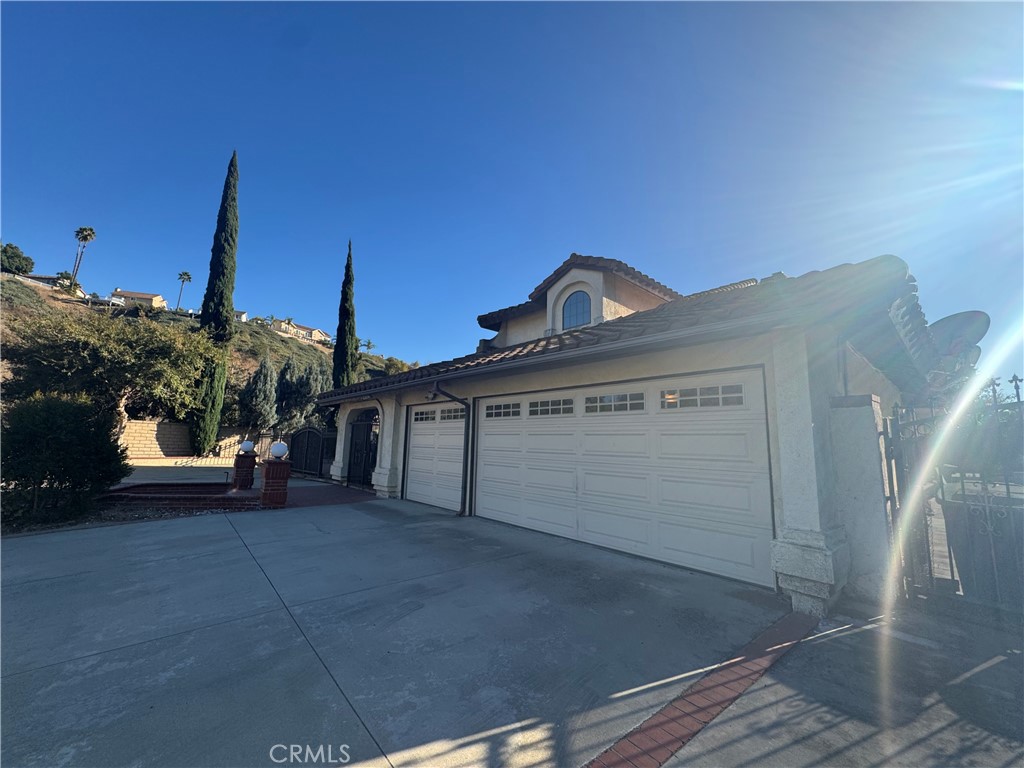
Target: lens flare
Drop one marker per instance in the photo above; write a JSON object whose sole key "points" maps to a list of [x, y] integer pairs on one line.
{"points": [[1007, 346]]}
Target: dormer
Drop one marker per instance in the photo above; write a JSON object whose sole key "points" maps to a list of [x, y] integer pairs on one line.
{"points": [[583, 291]]}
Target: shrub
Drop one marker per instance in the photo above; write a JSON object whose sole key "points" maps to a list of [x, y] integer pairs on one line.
{"points": [[58, 453]]}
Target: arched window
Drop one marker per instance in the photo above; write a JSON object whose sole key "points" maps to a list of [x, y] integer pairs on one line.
{"points": [[576, 310]]}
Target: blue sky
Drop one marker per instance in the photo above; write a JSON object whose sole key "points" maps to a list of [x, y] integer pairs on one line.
{"points": [[468, 149]]}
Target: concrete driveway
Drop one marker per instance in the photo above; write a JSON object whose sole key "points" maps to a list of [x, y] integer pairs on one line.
{"points": [[384, 627]]}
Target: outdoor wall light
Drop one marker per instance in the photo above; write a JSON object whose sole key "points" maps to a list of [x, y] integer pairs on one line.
{"points": [[247, 446], [279, 449]]}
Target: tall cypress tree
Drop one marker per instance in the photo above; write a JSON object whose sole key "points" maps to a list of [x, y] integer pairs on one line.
{"points": [[346, 349], [218, 315], [218, 308]]}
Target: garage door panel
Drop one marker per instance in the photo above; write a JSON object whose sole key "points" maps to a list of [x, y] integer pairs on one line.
{"points": [[742, 500], [556, 479], [501, 441], [728, 444], [609, 444], [687, 484], [551, 442], [614, 486], [743, 554], [616, 529]]}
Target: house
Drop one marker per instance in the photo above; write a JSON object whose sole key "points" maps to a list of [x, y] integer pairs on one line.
{"points": [[302, 332], [241, 317], [54, 282], [136, 299], [733, 431]]}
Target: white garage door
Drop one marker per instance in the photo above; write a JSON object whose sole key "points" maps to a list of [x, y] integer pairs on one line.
{"points": [[434, 465], [674, 469]]}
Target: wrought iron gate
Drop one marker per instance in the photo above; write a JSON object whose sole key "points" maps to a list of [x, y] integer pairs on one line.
{"points": [[311, 450], [362, 455], [956, 495]]}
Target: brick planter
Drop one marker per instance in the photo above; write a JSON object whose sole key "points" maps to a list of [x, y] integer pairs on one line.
{"points": [[274, 494]]}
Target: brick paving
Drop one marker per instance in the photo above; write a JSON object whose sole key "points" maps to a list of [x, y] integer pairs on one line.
{"points": [[658, 738]]}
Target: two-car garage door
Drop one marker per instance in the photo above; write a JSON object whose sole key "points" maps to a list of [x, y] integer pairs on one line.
{"points": [[673, 469]]}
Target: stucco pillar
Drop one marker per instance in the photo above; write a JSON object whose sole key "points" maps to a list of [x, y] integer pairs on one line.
{"points": [[386, 477], [810, 554], [859, 456], [339, 467]]}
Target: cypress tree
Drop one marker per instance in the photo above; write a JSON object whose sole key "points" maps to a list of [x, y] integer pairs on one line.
{"points": [[218, 312], [289, 396], [206, 419], [346, 348], [258, 399]]}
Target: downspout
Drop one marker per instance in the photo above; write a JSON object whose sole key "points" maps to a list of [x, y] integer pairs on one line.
{"points": [[465, 446]]}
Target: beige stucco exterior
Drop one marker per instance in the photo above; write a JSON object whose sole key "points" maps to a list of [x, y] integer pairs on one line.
{"points": [[803, 372]]}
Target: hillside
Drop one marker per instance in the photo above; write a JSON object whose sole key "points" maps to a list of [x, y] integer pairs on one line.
{"points": [[253, 340]]}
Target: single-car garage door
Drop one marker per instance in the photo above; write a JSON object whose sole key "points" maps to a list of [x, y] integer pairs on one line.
{"points": [[674, 469], [434, 465]]}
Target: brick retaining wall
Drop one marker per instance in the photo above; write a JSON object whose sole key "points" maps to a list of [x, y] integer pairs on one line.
{"points": [[169, 439]]}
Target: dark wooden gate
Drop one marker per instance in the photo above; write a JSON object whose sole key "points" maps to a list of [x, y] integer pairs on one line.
{"points": [[362, 454]]}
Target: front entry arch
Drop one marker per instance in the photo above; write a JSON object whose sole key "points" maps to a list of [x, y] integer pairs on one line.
{"points": [[362, 452]]}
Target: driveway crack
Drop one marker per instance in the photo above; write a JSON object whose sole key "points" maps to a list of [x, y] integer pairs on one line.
{"points": [[311, 646]]}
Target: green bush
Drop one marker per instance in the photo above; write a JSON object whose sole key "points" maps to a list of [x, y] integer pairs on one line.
{"points": [[58, 453]]}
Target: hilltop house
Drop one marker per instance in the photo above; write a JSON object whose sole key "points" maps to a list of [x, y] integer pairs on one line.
{"points": [[301, 332], [732, 430], [137, 299]]}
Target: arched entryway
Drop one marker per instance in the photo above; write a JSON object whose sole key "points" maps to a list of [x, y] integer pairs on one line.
{"points": [[362, 452]]}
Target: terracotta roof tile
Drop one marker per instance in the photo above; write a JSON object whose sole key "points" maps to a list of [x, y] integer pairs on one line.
{"points": [[876, 298]]}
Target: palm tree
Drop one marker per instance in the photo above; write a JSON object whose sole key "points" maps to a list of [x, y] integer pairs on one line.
{"points": [[183, 277], [84, 236], [368, 345]]}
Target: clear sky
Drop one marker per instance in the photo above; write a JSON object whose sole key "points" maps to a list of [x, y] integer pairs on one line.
{"points": [[468, 149]]}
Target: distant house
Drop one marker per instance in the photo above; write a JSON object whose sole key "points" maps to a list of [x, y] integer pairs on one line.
{"points": [[241, 317], [50, 281], [137, 299], [302, 332]]}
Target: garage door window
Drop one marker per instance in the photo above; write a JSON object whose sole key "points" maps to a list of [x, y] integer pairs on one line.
{"points": [[633, 401], [453, 414], [702, 397], [424, 416], [501, 410], [551, 407]]}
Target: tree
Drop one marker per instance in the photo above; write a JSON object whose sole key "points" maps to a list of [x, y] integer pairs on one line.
{"points": [[58, 453], [258, 401], [183, 277], [205, 419], [67, 283], [393, 365], [368, 345], [121, 364], [346, 349], [14, 261], [84, 236], [218, 314], [297, 391]]}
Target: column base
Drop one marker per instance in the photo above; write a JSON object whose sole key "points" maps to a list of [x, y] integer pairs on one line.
{"points": [[812, 568]]}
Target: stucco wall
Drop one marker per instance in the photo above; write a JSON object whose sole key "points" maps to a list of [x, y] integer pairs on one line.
{"points": [[623, 297], [520, 329], [862, 378]]}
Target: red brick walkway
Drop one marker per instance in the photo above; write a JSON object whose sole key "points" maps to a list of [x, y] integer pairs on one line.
{"points": [[322, 495], [663, 734]]}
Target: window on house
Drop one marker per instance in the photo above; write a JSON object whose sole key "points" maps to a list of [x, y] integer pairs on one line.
{"points": [[633, 401], [453, 414], [702, 397], [501, 410], [424, 416], [576, 310], [551, 407]]}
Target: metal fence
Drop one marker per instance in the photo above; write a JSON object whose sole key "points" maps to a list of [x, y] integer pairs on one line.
{"points": [[957, 500]]}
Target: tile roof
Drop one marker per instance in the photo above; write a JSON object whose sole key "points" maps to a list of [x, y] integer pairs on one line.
{"points": [[876, 299], [492, 321]]}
